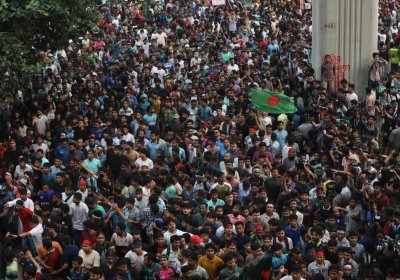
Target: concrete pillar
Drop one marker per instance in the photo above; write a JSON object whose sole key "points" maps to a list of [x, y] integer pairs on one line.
{"points": [[348, 30]]}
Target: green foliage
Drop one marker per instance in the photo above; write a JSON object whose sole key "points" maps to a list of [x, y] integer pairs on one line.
{"points": [[28, 27]]}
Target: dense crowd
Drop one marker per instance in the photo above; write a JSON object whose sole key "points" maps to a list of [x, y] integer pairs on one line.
{"points": [[137, 152]]}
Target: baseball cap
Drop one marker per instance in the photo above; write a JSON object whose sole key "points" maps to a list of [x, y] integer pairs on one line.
{"points": [[195, 239], [86, 243]]}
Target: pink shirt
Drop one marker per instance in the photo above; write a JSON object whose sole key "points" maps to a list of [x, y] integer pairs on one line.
{"points": [[234, 219]]}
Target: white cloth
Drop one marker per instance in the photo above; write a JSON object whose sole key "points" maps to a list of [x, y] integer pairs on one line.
{"points": [[36, 234], [28, 203], [79, 214], [167, 235]]}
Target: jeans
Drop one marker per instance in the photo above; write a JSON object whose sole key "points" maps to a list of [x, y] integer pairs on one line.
{"points": [[27, 242]]}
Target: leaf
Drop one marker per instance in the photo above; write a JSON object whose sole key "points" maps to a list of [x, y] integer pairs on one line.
{"points": [[24, 32]]}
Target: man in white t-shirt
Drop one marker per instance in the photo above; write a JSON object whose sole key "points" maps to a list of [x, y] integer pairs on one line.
{"points": [[136, 256], [351, 95], [143, 159], [91, 258], [295, 273], [35, 233], [161, 37], [172, 230], [121, 239], [159, 71], [28, 203], [142, 33], [39, 144]]}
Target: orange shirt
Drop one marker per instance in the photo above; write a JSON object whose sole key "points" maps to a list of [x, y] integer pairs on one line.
{"points": [[42, 252], [211, 266]]}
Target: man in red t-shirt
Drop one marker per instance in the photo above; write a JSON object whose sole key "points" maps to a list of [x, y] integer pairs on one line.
{"points": [[25, 215], [52, 262], [379, 197]]}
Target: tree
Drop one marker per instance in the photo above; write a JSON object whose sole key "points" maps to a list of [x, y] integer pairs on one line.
{"points": [[28, 27]]}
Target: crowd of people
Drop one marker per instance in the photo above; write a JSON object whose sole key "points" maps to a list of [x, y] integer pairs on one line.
{"points": [[138, 154]]}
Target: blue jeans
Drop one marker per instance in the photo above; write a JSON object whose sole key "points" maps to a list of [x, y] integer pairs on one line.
{"points": [[27, 242]]}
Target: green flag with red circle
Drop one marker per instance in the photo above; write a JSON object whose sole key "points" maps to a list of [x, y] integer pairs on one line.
{"points": [[272, 102]]}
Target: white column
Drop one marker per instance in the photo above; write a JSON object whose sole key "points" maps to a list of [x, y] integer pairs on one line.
{"points": [[348, 30]]}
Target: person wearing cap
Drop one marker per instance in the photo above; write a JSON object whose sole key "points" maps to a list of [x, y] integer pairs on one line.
{"points": [[177, 125], [82, 188], [258, 236], [91, 258], [320, 265], [249, 139]]}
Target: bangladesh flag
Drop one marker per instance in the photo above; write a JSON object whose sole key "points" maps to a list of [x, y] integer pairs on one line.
{"points": [[275, 103]]}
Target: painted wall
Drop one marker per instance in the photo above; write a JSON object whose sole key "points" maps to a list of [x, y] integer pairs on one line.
{"points": [[347, 30]]}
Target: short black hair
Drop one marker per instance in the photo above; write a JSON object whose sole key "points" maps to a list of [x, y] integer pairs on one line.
{"points": [[77, 259]]}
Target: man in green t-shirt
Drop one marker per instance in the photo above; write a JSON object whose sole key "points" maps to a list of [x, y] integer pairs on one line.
{"points": [[231, 270]]}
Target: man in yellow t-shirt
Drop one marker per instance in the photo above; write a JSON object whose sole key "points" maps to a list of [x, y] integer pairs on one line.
{"points": [[210, 262], [394, 58]]}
